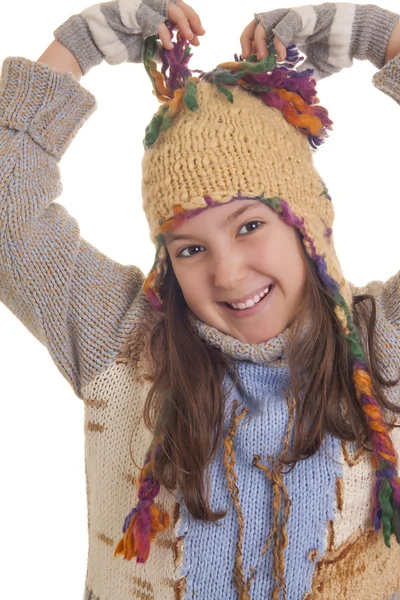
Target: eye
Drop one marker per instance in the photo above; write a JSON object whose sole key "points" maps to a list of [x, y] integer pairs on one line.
{"points": [[190, 251], [249, 227]]}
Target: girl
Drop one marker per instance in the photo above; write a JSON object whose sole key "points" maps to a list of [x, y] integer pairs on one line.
{"points": [[245, 392]]}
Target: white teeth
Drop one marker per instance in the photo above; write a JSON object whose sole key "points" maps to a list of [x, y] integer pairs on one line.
{"points": [[251, 301]]}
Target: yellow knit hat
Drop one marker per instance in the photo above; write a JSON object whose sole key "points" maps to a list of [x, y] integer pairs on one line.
{"points": [[230, 144]]}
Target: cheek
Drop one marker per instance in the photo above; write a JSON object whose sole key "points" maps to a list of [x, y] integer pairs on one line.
{"points": [[283, 259], [192, 283], [296, 271]]}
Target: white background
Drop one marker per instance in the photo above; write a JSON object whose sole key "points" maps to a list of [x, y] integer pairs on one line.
{"points": [[43, 534]]}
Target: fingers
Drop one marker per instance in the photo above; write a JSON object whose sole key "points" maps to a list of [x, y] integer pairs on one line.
{"points": [[192, 17], [246, 39], [280, 49], [260, 42], [188, 22], [254, 41], [165, 37]]}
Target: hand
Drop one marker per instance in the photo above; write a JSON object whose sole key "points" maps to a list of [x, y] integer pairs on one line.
{"points": [[331, 35], [254, 41], [188, 21], [115, 31]]}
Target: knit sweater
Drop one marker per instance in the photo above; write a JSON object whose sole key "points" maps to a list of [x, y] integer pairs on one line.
{"points": [[85, 308]]}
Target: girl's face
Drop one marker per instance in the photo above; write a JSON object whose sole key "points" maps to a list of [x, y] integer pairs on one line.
{"points": [[240, 268]]}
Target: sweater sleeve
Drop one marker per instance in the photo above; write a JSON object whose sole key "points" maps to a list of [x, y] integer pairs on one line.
{"points": [[387, 327], [387, 79], [70, 296]]}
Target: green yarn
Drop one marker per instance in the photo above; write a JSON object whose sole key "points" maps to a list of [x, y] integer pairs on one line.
{"points": [[274, 203], [225, 91], [166, 122], [190, 97], [225, 76], [260, 88], [385, 500], [153, 129], [149, 50], [353, 342], [252, 65], [396, 522], [353, 338]]}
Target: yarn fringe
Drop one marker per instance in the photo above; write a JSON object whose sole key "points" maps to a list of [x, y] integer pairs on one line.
{"points": [[144, 521], [386, 491], [279, 86]]}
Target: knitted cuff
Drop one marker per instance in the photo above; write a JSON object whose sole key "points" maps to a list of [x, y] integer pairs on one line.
{"points": [[159, 6], [148, 20], [387, 79], [75, 35], [371, 32], [50, 106]]}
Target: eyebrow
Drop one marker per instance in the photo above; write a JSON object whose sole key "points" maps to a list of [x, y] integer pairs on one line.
{"points": [[172, 237]]}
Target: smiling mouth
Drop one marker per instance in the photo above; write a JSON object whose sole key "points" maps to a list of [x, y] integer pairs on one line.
{"points": [[251, 302]]}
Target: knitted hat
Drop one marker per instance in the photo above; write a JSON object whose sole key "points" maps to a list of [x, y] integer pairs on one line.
{"points": [[247, 130]]}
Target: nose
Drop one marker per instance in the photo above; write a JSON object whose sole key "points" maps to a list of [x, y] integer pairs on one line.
{"points": [[228, 270]]}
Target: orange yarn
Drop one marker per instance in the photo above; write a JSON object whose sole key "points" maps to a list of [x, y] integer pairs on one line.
{"points": [[374, 414], [176, 101], [163, 94], [305, 119], [128, 545]]}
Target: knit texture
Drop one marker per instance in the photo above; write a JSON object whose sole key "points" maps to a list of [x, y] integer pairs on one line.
{"points": [[113, 31], [83, 307], [332, 34]]}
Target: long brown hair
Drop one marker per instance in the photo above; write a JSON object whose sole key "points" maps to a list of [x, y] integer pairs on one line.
{"points": [[185, 405]]}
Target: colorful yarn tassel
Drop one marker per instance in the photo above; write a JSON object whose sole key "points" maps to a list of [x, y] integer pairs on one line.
{"points": [[386, 491], [144, 521], [279, 86], [174, 86]]}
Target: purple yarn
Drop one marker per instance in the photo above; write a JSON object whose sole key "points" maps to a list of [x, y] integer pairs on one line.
{"points": [[128, 518], [386, 473], [377, 519], [176, 62], [144, 524], [396, 489], [369, 399], [357, 364], [292, 54], [148, 490], [292, 82], [273, 100]]}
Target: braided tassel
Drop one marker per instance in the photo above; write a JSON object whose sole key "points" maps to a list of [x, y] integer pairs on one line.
{"points": [[386, 491], [144, 521]]}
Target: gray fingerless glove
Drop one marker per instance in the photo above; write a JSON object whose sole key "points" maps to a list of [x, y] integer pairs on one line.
{"points": [[114, 31], [331, 35]]}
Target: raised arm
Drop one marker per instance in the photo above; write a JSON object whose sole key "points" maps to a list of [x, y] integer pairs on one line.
{"points": [[71, 297], [74, 299]]}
